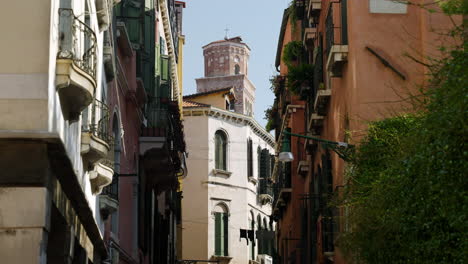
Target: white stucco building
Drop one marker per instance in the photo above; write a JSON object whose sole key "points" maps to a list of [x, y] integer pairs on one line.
{"points": [[53, 148], [229, 163]]}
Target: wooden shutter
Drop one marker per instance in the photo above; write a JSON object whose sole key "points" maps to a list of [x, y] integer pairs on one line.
{"points": [[223, 153], [225, 235], [164, 67], [133, 23], [218, 233], [249, 158], [217, 151]]}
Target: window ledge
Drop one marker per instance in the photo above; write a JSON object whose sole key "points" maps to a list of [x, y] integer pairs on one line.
{"points": [[221, 258], [253, 180], [222, 173]]}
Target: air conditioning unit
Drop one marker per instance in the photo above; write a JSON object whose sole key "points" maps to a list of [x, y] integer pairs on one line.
{"points": [[264, 259]]}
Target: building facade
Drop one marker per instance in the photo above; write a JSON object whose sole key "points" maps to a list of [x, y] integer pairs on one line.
{"points": [[357, 70], [145, 100], [226, 205], [54, 141], [91, 167]]}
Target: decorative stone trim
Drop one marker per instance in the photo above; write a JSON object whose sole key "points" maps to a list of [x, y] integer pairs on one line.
{"points": [[253, 180], [222, 173], [234, 117]]}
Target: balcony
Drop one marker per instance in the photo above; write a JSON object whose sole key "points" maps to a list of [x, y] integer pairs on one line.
{"points": [[100, 177], [303, 168], [321, 94], [162, 144], [336, 38], [282, 189], [95, 133], [310, 34], [265, 192], [76, 65], [315, 123], [109, 198], [314, 7]]}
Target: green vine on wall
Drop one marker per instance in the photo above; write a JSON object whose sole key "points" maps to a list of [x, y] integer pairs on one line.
{"points": [[407, 199]]}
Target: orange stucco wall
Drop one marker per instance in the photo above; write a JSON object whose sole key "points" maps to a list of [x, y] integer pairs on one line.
{"points": [[368, 90]]}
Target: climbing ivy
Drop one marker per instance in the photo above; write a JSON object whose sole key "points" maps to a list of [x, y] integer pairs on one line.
{"points": [[407, 196]]}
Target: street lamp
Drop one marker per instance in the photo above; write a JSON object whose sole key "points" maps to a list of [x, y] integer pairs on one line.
{"points": [[343, 149], [285, 155]]}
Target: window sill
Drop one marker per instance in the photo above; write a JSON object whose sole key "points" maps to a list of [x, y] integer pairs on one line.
{"points": [[222, 173], [253, 180], [224, 259]]}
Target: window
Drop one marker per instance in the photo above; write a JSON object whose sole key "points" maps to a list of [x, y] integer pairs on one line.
{"points": [[259, 161], [220, 150], [251, 244], [249, 158], [388, 6], [237, 69], [221, 230]]}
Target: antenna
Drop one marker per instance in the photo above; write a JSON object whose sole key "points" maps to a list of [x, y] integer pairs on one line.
{"points": [[227, 30]]}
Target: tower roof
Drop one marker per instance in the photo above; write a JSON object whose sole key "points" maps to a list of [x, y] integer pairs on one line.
{"points": [[237, 40]]}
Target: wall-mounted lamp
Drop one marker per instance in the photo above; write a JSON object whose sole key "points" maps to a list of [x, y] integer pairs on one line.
{"points": [[343, 149], [285, 155]]}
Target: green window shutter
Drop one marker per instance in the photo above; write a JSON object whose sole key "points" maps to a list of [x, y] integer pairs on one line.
{"points": [[224, 154], [217, 151], [163, 46], [263, 164], [249, 158], [164, 68], [225, 236], [133, 12], [267, 164], [259, 161], [157, 55], [218, 233], [220, 151]]}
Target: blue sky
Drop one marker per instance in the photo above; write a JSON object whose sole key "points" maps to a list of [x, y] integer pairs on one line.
{"points": [[256, 21]]}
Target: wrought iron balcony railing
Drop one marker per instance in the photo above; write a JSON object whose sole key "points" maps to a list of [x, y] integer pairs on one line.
{"points": [[77, 42], [159, 123], [112, 190], [163, 120], [98, 124], [283, 180], [265, 187], [336, 34]]}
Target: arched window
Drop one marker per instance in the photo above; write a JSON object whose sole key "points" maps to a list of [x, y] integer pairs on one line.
{"points": [[237, 69], [259, 239], [220, 150], [251, 244], [249, 158], [221, 215]]}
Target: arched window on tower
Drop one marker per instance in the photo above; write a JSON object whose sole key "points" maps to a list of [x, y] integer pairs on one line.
{"points": [[237, 69]]}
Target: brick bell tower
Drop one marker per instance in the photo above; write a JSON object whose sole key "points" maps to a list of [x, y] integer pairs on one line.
{"points": [[227, 65]]}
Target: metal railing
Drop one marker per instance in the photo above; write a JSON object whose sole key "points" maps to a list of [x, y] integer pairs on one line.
{"points": [[163, 120], [336, 35], [98, 124], [112, 190], [265, 187], [283, 180], [77, 42], [159, 123]]}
